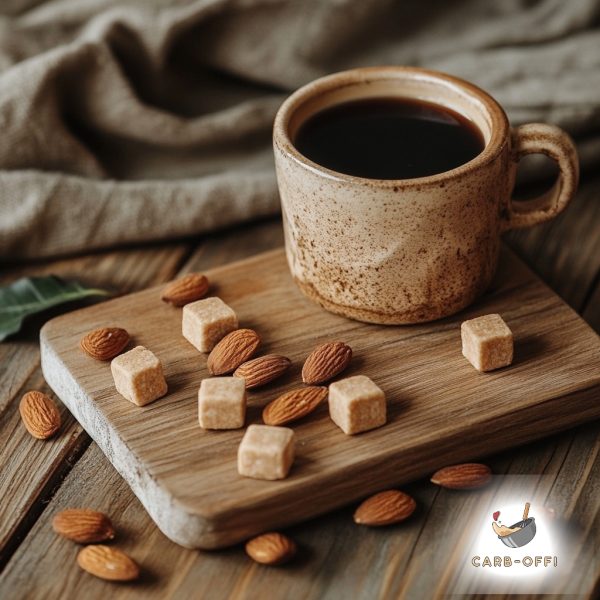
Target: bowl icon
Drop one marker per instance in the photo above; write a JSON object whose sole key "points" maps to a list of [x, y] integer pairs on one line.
{"points": [[521, 537]]}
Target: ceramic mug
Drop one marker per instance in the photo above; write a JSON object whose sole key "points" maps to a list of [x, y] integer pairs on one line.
{"points": [[408, 250]]}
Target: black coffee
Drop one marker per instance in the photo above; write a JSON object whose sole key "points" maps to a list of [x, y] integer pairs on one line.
{"points": [[389, 138]]}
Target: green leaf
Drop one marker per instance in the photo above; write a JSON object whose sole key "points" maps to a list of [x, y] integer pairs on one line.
{"points": [[31, 295]]}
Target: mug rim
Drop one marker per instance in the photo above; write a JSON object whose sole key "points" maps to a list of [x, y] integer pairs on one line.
{"points": [[499, 124]]}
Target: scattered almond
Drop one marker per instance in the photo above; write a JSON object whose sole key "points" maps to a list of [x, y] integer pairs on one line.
{"points": [[463, 477], [186, 289], [262, 370], [385, 508], [325, 362], [105, 343], [109, 563], [271, 548], [293, 405], [233, 350], [40, 415], [83, 525]]}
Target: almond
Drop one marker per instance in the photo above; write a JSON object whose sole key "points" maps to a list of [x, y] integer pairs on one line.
{"points": [[186, 289], [385, 508], [105, 343], [40, 415], [325, 362], [234, 349], [293, 405], [262, 370], [463, 477], [83, 525], [271, 548], [108, 563]]}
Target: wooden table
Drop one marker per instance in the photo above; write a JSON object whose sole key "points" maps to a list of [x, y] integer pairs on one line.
{"points": [[337, 558]]}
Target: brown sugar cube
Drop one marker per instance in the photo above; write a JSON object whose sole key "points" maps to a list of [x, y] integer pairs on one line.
{"points": [[138, 376], [487, 342], [222, 403], [266, 452], [356, 404], [206, 321]]}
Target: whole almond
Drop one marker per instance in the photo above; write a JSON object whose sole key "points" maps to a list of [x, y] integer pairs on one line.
{"points": [[233, 350], [385, 508], [105, 343], [271, 548], [463, 477], [293, 405], [262, 370], [108, 563], [83, 525], [325, 362], [186, 289], [40, 415]]}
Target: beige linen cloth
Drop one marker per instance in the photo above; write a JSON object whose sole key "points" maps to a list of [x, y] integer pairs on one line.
{"points": [[125, 122]]}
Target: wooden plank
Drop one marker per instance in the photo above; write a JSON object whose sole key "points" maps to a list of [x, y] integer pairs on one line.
{"points": [[238, 243], [31, 469], [591, 311], [337, 559], [85, 486], [186, 476], [103, 482], [575, 496], [565, 252], [559, 470], [333, 550], [567, 273], [26, 482], [124, 271]]}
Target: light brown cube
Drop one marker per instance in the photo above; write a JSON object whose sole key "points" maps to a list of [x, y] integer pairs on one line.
{"points": [[487, 342], [206, 321], [356, 404], [138, 376], [266, 452], [222, 403]]}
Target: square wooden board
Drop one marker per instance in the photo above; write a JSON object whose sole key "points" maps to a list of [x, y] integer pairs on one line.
{"points": [[440, 410]]}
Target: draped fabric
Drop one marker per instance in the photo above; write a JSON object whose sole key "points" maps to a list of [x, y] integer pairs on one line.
{"points": [[124, 122]]}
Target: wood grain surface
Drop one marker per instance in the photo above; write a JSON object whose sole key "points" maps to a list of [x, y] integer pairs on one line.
{"points": [[29, 472], [187, 477], [337, 559]]}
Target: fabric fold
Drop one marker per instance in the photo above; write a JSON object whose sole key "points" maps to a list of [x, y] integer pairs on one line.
{"points": [[126, 122]]}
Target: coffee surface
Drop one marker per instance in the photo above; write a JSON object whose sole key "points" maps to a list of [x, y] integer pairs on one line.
{"points": [[389, 138]]}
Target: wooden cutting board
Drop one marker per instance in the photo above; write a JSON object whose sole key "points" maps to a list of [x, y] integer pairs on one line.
{"points": [[440, 409]]}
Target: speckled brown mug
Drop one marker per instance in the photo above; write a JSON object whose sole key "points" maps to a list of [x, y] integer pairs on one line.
{"points": [[408, 250]]}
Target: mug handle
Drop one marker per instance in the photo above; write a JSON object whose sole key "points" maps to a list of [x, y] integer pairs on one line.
{"points": [[539, 138]]}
